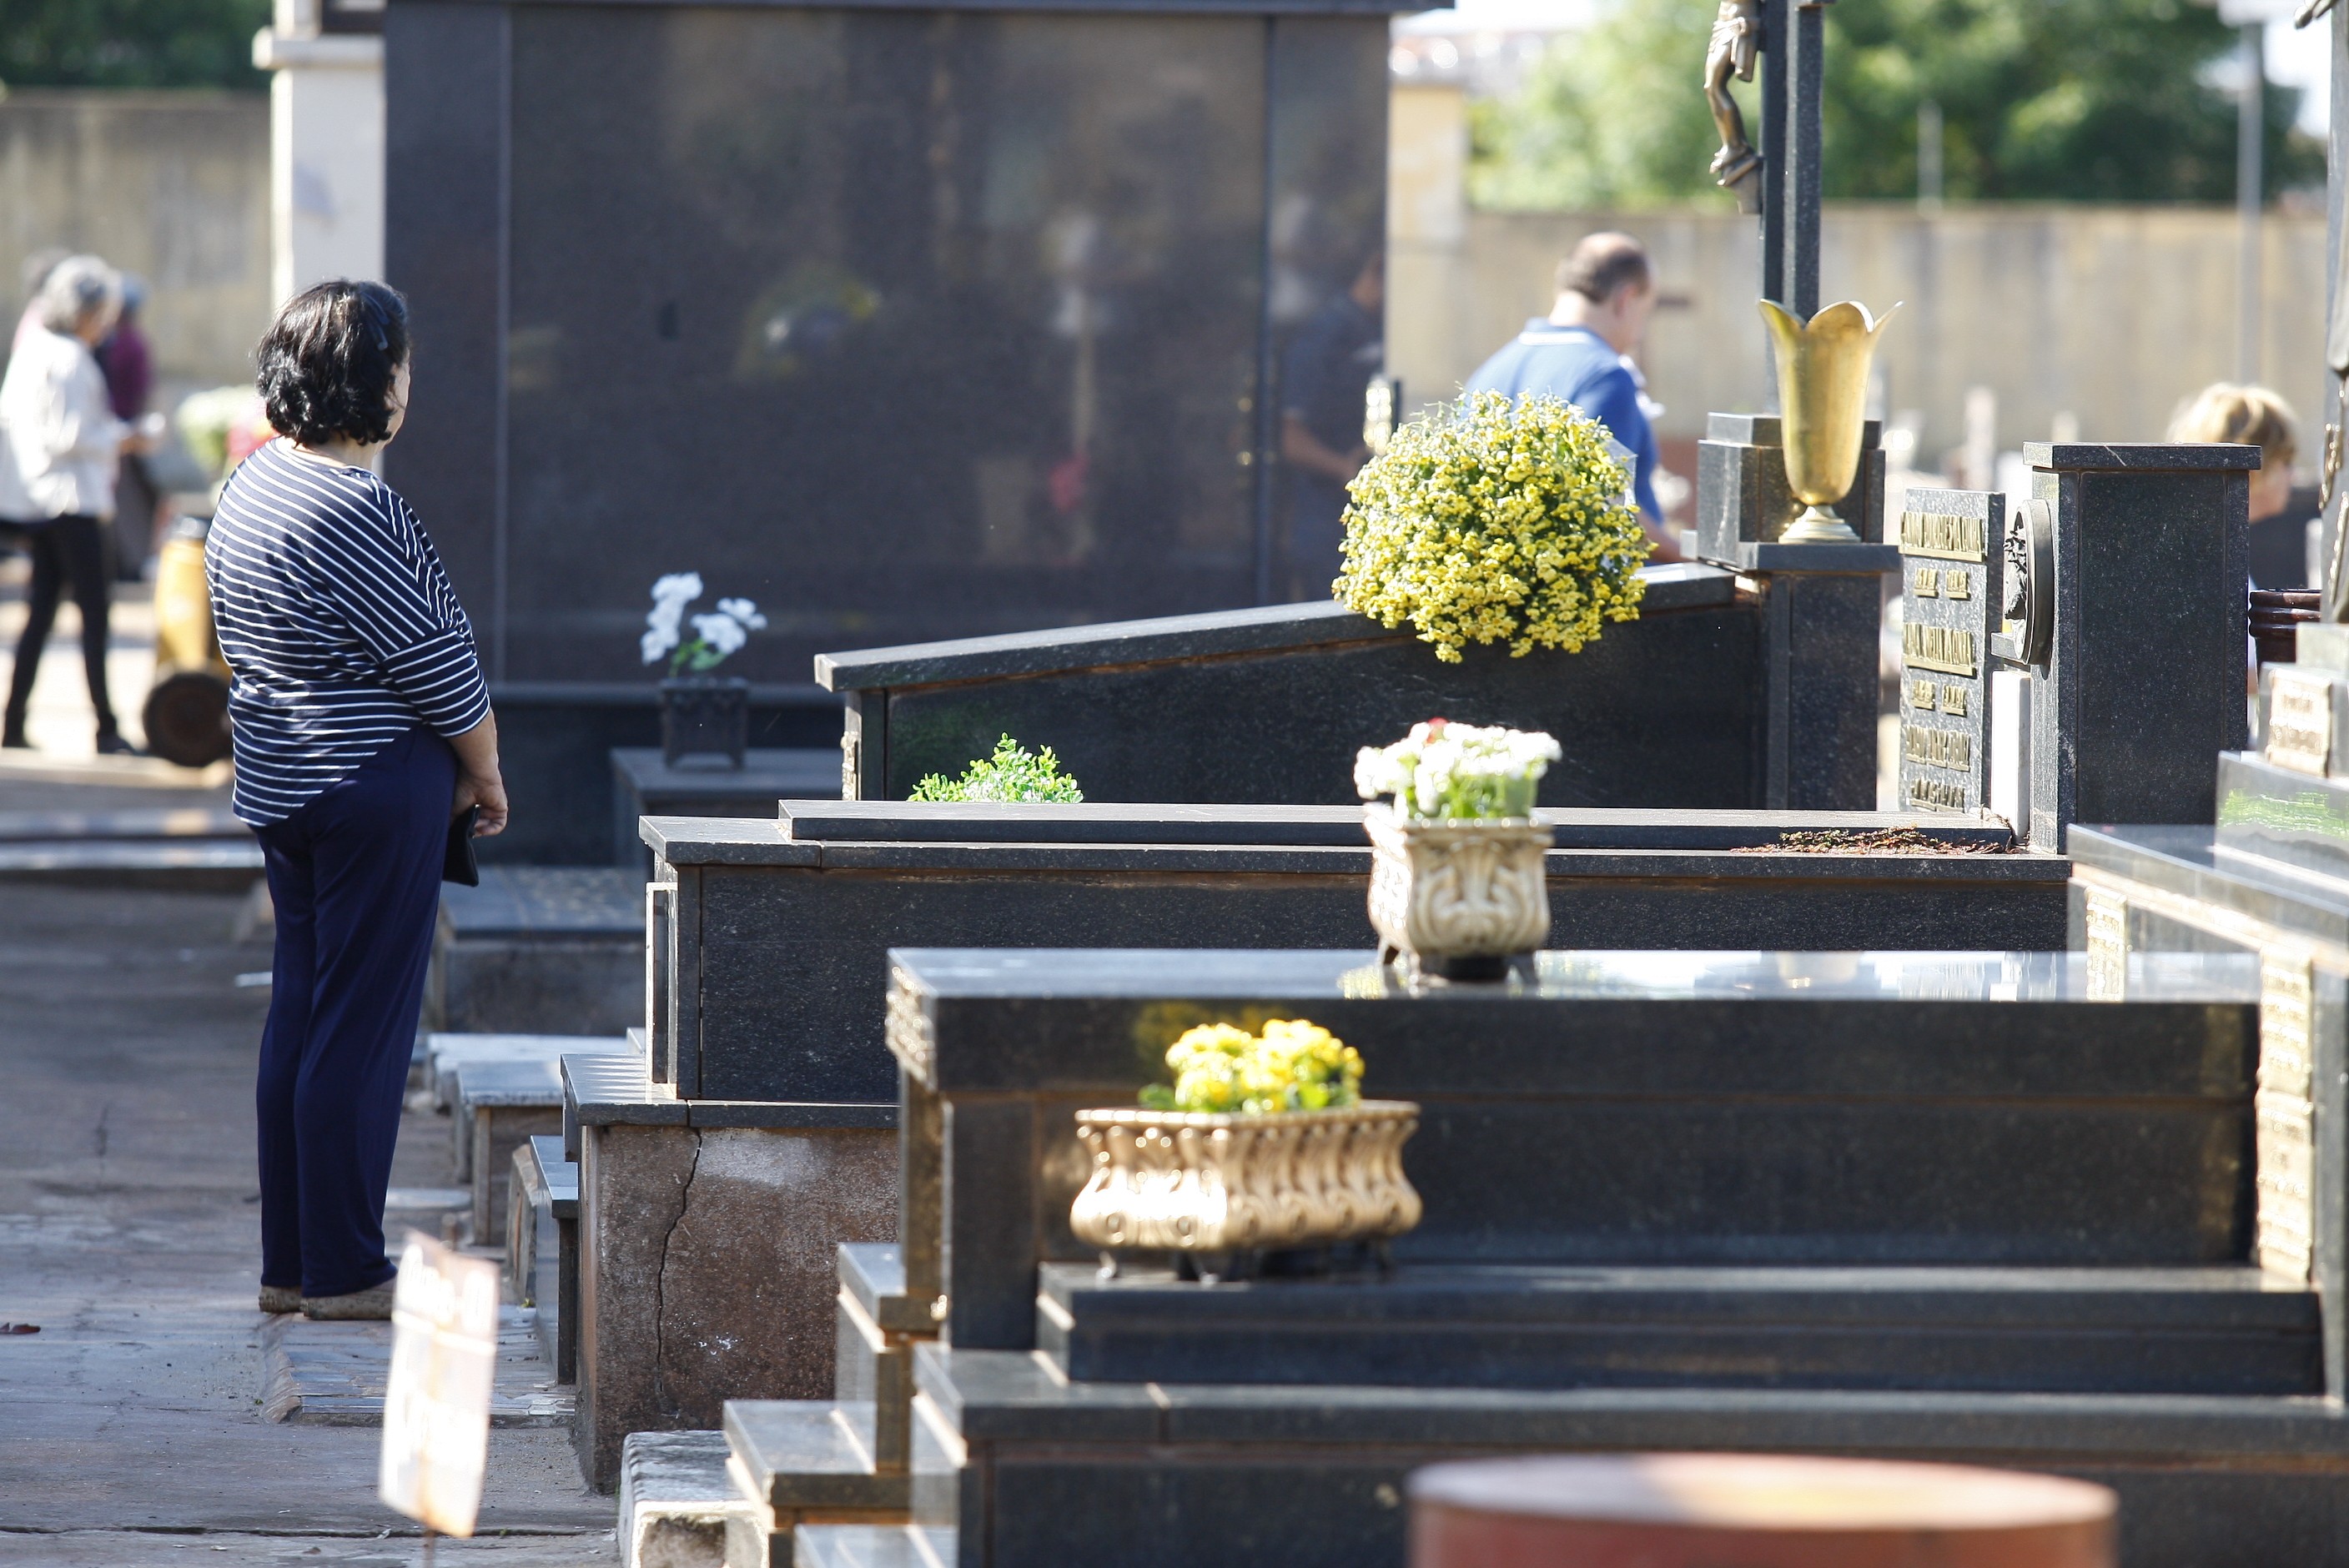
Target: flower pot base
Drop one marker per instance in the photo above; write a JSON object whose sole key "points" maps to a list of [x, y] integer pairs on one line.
{"points": [[1230, 1186], [1356, 1260]]}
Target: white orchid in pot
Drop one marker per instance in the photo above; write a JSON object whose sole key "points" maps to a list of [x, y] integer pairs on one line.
{"points": [[1457, 887], [705, 718]]}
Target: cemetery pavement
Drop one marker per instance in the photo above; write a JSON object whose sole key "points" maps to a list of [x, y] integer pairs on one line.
{"points": [[130, 1430]]}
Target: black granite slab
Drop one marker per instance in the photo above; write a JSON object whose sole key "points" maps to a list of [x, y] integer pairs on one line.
{"points": [[882, 822], [543, 902], [769, 970], [2139, 457], [1264, 629], [644, 784], [2142, 682], [1664, 711], [1050, 1470], [2224, 1330], [1642, 1107]]}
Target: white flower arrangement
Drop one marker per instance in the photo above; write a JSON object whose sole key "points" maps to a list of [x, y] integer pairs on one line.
{"points": [[715, 635], [1443, 771]]}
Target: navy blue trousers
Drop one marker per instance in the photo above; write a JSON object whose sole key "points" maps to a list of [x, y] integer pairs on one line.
{"points": [[355, 877]]}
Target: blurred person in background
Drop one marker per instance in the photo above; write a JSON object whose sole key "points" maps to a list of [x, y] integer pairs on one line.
{"points": [[130, 381], [1581, 354], [37, 268], [2251, 416], [65, 441], [1323, 378]]}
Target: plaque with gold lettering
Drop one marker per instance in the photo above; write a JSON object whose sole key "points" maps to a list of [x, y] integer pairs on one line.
{"points": [[1950, 581]]}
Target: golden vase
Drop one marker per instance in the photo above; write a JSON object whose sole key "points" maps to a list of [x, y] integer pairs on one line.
{"points": [[1823, 409]]}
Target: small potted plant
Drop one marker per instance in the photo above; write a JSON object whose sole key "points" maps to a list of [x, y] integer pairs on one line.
{"points": [[1496, 519], [1262, 1143], [1456, 883], [705, 718], [1013, 774]]}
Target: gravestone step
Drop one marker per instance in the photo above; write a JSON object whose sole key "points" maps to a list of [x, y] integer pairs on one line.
{"points": [[675, 1496], [2211, 1331], [875, 1273], [796, 1454], [445, 1054], [872, 1546]]}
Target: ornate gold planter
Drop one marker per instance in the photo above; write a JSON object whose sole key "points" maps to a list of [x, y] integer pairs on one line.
{"points": [[1458, 899], [1823, 404], [1169, 1180]]}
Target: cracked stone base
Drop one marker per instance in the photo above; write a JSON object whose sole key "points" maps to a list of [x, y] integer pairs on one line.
{"points": [[706, 1270]]}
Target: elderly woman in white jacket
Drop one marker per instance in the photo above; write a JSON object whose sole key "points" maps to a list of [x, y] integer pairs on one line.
{"points": [[62, 447]]}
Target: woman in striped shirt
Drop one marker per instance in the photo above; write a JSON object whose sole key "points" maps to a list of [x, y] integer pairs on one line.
{"points": [[362, 729]]}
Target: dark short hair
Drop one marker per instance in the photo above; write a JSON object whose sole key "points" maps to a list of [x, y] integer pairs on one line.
{"points": [[326, 362], [1603, 263]]}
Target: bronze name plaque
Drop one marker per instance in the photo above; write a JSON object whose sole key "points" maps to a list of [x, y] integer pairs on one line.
{"points": [[1946, 536], [2300, 720], [2283, 1225], [1944, 647]]}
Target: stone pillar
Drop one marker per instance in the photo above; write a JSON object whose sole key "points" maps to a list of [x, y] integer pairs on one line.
{"points": [[326, 143]]}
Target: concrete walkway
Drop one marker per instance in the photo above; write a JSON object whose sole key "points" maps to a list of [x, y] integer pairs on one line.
{"points": [[129, 1425]]}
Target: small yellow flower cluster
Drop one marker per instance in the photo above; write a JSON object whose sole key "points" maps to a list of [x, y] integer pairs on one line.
{"points": [[1293, 1066], [1494, 520]]}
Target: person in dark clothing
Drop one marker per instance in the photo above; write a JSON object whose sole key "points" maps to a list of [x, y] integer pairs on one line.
{"points": [[363, 730], [1323, 378], [1581, 353], [128, 368]]}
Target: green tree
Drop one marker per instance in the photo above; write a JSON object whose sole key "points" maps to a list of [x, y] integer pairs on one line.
{"points": [[131, 43], [2090, 101]]}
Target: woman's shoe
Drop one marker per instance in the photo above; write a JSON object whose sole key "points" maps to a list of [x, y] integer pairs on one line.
{"points": [[112, 745], [373, 1305], [281, 1298]]}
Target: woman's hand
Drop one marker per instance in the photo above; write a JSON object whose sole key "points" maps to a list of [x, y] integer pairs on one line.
{"points": [[489, 794], [479, 782]]}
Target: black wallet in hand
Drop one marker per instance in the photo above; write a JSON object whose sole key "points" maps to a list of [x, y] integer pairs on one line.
{"points": [[457, 862]]}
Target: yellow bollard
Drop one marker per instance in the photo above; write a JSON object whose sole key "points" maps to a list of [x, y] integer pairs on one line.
{"points": [[187, 708]]}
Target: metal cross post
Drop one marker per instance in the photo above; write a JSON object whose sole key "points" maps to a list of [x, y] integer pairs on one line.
{"points": [[1793, 83]]}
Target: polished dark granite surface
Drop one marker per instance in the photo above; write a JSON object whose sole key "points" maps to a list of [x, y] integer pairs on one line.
{"points": [[1804, 978]]}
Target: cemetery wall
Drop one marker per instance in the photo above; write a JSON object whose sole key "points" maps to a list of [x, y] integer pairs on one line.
{"points": [[173, 186]]}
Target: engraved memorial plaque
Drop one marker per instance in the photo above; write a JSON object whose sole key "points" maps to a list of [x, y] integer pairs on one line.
{"points": [[1951, 561], [2284, 1118]]}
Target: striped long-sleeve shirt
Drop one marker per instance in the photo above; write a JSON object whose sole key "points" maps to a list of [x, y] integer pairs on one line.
{"points": [[337, 622]]}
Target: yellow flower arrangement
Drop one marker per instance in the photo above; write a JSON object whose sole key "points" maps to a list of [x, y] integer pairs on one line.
{"points": [[1293, 1066], [1493, 520]]}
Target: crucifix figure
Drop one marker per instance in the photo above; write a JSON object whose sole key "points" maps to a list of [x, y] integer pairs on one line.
{"points": [[1737, 37], [1778, 181]]}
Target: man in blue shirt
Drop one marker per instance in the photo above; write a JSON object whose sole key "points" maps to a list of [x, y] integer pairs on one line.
{"points": [[1581, 354]]}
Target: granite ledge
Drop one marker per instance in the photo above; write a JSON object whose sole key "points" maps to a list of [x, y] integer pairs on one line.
{"points": [[2185, 861], [1317, 827], [2139, 457], [607, 1092], [1683, 585], [1006, 1396], [749, 842]]}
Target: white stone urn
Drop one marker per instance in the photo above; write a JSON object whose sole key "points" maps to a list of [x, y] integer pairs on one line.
{"points": [[1457, 899], [1187, 1181]]}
